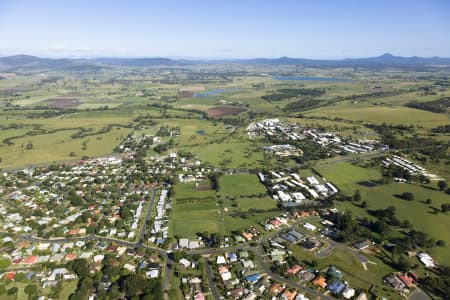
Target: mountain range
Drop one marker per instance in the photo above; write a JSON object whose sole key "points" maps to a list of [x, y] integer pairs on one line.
{"points": [[384, 61]]}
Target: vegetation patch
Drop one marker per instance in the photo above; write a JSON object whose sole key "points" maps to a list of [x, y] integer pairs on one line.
{"points": [[283, 94], [222, 111], [436, 106], [62, 103]]}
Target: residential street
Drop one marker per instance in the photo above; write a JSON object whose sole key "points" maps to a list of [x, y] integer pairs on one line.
{"points": [[208, 251], [212, 286]]}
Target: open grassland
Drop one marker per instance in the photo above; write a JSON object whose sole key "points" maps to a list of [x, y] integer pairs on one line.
{"points": [[382, 114], [228, 154], [47, 140], [58, 147], [347, 177], [424, 217]]}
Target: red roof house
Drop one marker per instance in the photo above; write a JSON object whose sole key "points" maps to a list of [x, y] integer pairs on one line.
{"points": [[30, 260]]}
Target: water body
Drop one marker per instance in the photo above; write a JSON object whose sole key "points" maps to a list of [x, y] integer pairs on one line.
{"points": [[216, 92], [303, 78]]}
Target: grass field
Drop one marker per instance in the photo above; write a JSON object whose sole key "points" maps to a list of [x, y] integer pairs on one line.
{"points": [[246, 204], [188, 190], [68, 287], [188, 220], [195, 211], [241, 185]]}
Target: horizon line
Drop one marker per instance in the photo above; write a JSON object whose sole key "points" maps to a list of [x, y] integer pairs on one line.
{"points": [[180, 57]]}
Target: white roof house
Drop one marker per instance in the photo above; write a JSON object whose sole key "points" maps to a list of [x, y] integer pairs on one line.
{"points": [[226, 275], [312, 180], [426, 259], [183, 243], [348, 293], [284, 197], [152, 273], [310, 227], [184, 262], [220, 260]]}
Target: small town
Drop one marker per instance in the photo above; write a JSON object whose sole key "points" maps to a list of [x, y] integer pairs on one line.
{"points": [[113, 216], [224, 150]]}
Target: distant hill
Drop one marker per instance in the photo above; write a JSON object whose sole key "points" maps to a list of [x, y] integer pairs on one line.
{"points": [[383, 61], [139, 62], [33, 62]]}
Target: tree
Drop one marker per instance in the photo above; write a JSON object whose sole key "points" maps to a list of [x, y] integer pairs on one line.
{"points": [[407, 196], [440, 243], [403, 264], [134, 284], [406, 224], [31, 289], [428, 201], [442, 185], [125, 213], [364, 204], [12, 291], [395, 252], [19, 277], [4, 263], [80, 266], [357, 196]]}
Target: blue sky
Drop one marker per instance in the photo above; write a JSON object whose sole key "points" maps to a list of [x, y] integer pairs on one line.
{"points": [[216, 29]]}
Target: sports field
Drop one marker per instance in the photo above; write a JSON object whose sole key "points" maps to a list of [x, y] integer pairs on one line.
{"points": [[196, 211]]}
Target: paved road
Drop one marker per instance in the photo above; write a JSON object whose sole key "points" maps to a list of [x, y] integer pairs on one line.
{"points": [[206, 251], [333, 244], [325, 252], [147, 217], [212, 286], [418, 295], [168, 263], [277, 277]]}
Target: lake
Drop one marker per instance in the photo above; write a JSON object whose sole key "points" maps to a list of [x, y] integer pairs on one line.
{"points": [[216, 92]]}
